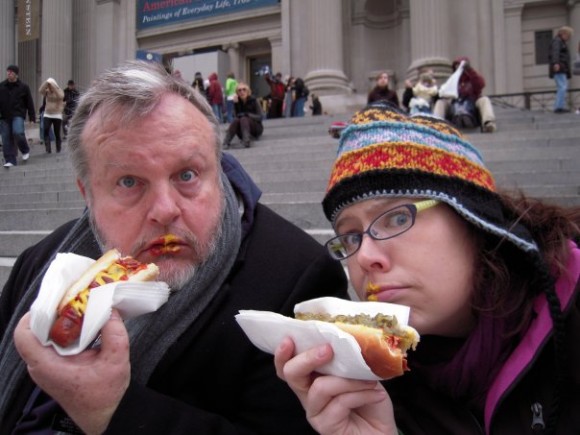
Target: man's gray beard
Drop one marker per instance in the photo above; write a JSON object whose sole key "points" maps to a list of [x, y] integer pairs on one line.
{"points": [[175, 279]]}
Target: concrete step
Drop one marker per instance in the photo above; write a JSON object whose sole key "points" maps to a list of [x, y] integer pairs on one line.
{"points": [[538, 152]]}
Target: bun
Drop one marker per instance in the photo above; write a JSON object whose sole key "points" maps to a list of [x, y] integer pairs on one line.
{"points": [[110, 267], [383, 360], [383, 341], [150, 273], [103, 263]]}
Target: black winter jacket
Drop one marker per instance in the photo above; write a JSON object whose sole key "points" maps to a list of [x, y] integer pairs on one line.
{"points": [[19, 100], [559, 54], [213, 380]]}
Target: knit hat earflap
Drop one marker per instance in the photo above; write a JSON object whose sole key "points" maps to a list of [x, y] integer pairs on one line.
{"points": [[385, 153]]}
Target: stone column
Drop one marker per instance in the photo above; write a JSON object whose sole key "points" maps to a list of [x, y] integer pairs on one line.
{"points": [[107, 51], [57, 38], [233, 51], [574, 22], [7, 36], [276, 47], [326, 61], [512, 47], [430, 32]]}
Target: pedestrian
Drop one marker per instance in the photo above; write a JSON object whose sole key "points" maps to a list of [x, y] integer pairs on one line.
{"points": [[146, 153], [17, 103], [277, 92], [492, 281], [560, 63], [230, 91], [215, 96], [53, 97], [382, 92], [71, 98], [300, 91]]}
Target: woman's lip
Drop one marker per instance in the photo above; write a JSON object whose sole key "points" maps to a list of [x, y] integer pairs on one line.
{"points": [[383, 293]]}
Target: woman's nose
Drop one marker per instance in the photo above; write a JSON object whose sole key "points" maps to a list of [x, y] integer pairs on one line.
{"points": [[373, 254]]}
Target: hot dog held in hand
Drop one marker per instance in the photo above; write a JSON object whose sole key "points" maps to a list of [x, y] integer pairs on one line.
{"points": [[77, 294]]}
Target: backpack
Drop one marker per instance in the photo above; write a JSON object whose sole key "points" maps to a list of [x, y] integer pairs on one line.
{"points": [[463, 113]]}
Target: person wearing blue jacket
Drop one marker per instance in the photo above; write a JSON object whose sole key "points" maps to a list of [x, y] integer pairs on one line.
{"points": [[146, 151]]}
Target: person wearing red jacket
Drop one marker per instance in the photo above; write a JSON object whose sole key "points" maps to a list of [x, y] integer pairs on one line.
{"points": [[471, 85], [215, 96]]}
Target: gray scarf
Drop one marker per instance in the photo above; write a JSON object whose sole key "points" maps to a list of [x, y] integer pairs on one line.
{"points": [[150, 335]]}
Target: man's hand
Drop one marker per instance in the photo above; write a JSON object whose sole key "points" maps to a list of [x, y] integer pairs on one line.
{"points": [[88, 386]]}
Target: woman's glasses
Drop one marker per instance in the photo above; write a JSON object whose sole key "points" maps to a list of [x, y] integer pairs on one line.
{"points": [[387, 225]]}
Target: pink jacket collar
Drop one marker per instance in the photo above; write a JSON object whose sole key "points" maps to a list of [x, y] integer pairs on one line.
{"points": [[535, 336]]}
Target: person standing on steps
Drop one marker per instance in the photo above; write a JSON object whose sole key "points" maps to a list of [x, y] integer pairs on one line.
{"points": [[17, 102], [71, 98], [559, 58], [54, 96], [248, 120]]}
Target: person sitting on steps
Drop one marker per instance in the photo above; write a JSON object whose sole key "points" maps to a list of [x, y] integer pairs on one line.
{"points": [[471, 85], [248, 121]]}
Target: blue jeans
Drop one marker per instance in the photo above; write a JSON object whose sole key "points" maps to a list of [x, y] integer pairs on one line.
{"points": [[13, 134], [41, 132], [230, 110], [561, 88], [217, 111], [299, 107]]}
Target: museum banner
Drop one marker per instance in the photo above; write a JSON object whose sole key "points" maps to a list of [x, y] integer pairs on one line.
{"points": [[28, 20], [153, 13]]}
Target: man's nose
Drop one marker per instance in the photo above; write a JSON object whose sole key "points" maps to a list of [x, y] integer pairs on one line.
{"points": [[163, 204]]}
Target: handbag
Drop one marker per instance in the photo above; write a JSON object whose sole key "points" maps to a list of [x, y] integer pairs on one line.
{"points": [[449, 89]]}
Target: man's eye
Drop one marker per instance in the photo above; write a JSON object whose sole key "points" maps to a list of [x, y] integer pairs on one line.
{"points": [[127, 182], [187, 175]]}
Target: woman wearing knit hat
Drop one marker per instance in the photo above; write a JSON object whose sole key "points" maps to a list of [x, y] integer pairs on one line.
{"points": [[491, 279]]}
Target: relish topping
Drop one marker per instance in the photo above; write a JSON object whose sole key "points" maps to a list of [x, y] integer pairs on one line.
{"points": [[396, 335]]}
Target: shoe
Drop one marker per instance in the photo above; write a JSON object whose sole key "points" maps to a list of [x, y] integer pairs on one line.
{"points": [[8, 165], [561, 111], [25, 156], [246, 144], [488, 127]]}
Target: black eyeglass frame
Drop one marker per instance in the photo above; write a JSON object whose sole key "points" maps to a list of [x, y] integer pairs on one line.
{"points": [[413, 208]]}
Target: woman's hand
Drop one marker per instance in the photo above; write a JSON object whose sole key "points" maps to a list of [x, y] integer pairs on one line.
{"points": [[334, 405]]}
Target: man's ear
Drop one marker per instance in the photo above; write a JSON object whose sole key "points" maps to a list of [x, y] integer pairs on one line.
{"points": [[82, 189]]}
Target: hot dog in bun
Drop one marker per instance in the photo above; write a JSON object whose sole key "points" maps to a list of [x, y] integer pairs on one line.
{"points": [[383, 340], [111, 267]]}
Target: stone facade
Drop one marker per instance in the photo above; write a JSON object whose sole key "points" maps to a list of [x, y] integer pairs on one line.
{"points": [[337, 46]]}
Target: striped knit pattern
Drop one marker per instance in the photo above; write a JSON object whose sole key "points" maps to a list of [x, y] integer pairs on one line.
{"points": [[379, 139]]}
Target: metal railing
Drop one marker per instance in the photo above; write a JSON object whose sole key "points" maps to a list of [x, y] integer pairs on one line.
{"points": [[537, 100]]}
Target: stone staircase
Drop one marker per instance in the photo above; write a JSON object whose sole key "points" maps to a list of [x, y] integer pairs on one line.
{"points": [[538, 153]]}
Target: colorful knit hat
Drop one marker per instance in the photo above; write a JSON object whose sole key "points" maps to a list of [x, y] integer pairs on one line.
{"points": [[385, 153]]}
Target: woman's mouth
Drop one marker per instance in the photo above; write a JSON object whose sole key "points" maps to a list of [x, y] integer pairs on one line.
{"points": [[377, 293]]}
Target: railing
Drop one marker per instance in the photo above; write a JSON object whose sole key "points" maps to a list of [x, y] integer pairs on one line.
{"points": [[538, 100]]}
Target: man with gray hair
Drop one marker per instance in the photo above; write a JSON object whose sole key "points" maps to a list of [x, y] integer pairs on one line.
{"points": [[146, 152]]}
